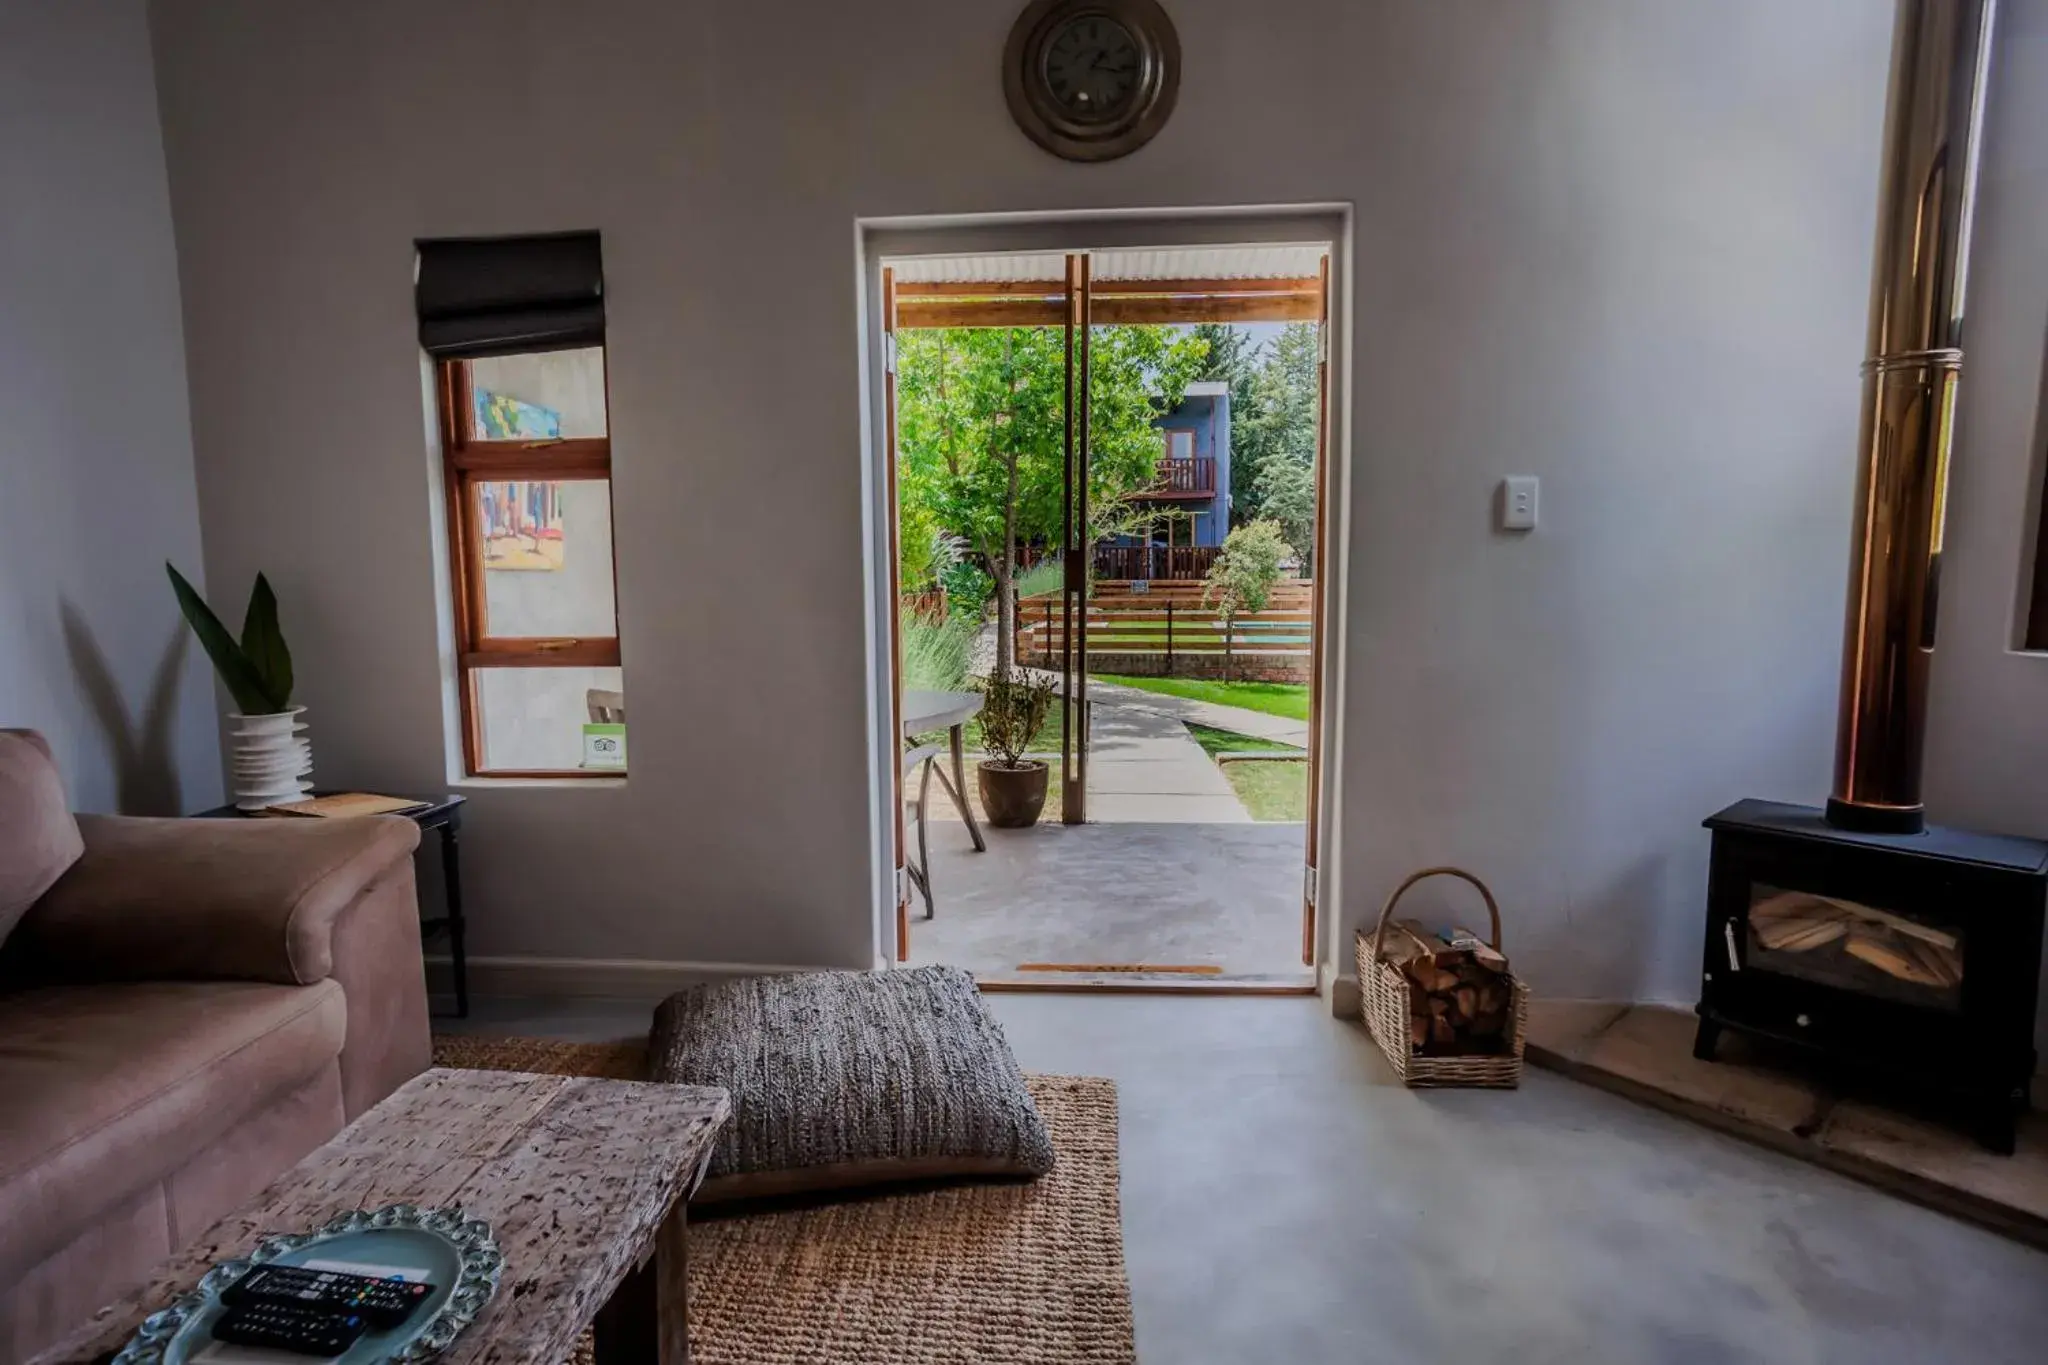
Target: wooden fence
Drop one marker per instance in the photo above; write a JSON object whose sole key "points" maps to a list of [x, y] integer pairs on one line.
{"points": [[1170, 633]]}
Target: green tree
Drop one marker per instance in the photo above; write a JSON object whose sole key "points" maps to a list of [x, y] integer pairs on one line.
{"points": [[1242, 578], [981, 424], [1280, 435], [1287, 496]]}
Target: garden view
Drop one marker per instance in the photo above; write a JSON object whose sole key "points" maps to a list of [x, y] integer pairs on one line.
{"points": [[981, 445]]}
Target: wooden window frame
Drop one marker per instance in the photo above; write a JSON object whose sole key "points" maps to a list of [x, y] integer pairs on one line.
{"points": [[465, 462]]}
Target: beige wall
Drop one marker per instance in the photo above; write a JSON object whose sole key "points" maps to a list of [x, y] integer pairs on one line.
{"points": [[1987, 756], [96, 484], [1618, 245]]}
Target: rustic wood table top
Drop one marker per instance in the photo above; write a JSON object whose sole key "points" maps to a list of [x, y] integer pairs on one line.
{"points": [[578, 1178]]}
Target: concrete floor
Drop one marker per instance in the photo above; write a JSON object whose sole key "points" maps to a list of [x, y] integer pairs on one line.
{"points": [[1228, 895], [1284, 1201]]}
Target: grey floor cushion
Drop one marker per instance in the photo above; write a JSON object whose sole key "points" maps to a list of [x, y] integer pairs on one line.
{"points": [[845, 1079]]}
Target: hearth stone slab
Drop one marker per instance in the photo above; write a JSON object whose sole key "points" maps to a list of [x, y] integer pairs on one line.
{"points": [[2008, 1187], [1645, 1052]]}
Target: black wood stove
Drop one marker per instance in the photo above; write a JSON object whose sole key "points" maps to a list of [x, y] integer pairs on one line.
{"points": [[1859, 932], [1911, 957]]}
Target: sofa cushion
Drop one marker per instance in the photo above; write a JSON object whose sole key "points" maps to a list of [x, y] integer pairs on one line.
{"points": [[110, 1088], [38, 837], [211, 900], [844, 1079]]}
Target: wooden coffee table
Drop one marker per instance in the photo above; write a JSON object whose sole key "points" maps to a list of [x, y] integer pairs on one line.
{"points": [[583, 1181]]}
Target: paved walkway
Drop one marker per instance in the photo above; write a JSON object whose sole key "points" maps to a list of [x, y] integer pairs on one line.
{"points": [[1143, 768], [1237, 719]]}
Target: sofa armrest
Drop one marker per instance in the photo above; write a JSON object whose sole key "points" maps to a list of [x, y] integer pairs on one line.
{"points": [[254, 900]]}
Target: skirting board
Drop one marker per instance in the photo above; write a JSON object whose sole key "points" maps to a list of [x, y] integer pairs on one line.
{"points": [[594, 978], [1346, 1000]]}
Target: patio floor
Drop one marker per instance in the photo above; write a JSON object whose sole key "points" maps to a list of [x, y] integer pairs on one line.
{"points": [[1170, 872]]}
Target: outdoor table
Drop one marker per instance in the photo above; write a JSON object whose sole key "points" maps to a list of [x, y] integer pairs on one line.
{"points": [[925, 711]]}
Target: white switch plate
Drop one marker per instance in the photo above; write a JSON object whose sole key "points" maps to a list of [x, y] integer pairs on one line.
{"points": [[1518, 502]]}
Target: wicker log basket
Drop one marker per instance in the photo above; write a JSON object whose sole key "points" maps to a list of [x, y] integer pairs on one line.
{"points": [[1385, 993]]}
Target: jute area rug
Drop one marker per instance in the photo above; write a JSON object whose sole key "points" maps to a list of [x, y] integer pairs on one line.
{"points": [[1011, 1274]]}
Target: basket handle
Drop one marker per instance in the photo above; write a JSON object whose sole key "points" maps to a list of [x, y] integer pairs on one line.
{"points": [[1492, 907]]}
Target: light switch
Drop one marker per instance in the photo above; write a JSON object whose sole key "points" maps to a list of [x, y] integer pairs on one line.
{"points": [[1518, 502]]}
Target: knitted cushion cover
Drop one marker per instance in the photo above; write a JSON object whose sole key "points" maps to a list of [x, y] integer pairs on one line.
{"points": [[848, 1079]]}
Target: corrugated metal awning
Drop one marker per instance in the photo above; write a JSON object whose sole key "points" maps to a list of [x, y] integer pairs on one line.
{"points": [[1162, 263]]}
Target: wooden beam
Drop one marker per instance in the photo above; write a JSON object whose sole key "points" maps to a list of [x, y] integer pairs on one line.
{"points": [[1126, 311], [1212, 308], [1308, 284], [582, 458], [542, 652], [1055, 290], [914, 313], [982, 289]]}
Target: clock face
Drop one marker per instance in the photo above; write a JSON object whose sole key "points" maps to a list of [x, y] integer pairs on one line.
{"points": [[1091, 80], [1094, 68]]}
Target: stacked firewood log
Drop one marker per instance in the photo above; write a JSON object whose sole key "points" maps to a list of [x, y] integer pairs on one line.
{"points": [[1459, 991]]}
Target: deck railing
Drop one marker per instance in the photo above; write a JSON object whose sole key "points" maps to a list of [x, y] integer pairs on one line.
{"points": [[1193, 476], [1154, 561]]}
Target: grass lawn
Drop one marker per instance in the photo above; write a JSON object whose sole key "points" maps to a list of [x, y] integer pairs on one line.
{"points": [[1048, 741], [1270, 790], [1216, 742], [1275, 699]]}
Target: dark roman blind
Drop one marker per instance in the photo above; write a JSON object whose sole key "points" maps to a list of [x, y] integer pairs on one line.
{"points": [[480, 296]]}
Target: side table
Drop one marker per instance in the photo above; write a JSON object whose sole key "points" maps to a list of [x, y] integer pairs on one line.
{"points": [[443, 813]]}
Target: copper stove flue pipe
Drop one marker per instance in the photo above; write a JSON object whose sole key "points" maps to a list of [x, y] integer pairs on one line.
{"points": [[1941, 53]]}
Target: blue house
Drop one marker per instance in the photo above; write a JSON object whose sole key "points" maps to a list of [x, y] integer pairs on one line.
{"points": [[1194, 483]]}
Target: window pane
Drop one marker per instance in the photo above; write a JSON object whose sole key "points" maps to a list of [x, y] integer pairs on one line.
{"points": [[547, 552], [538, 397], [533, 719]]}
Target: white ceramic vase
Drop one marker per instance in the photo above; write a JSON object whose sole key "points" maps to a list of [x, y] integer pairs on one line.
{"points": [[269, 759]]}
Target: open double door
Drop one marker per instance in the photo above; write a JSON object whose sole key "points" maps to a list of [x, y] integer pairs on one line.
{"points": [[1128, 289]]}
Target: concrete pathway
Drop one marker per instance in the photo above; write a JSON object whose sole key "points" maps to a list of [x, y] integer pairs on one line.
{"points": [[1237, 719], [1240, 720], [1144, 768]]}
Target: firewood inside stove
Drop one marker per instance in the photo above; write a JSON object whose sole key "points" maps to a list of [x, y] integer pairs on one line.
{"points": [[1903, 948]]}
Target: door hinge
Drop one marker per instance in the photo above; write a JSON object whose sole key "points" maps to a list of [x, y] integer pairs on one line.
{"points": [[1308, 883], [889, 352], [1728, 933], [902, 887]]}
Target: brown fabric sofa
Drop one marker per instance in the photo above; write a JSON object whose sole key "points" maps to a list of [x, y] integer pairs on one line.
{"points": [[187, 1007]]}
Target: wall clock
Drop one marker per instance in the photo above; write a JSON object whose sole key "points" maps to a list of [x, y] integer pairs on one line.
{"points": [[1091, 80]]}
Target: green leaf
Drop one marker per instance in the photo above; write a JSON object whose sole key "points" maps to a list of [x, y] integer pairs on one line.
{"points": [[234, 668], [263, 645]]}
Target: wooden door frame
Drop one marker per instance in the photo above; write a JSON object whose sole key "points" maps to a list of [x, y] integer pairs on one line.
{"points": [[1076, 549], [879, 239], [899, 845], [1318, 567]]}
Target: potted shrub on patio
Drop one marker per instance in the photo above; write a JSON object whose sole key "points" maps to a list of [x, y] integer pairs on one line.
{"points": [[1014, 706]]}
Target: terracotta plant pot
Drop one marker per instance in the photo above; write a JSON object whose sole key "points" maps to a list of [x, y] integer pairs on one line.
{"points": [[1012, 797]]}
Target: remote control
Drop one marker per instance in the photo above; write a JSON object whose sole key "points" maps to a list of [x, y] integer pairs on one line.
{"points": [[382, 1303], [290, 1327]]}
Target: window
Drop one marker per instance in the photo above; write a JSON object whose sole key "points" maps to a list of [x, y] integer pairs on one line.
{"points": [[528, 466], [1180, 445]]}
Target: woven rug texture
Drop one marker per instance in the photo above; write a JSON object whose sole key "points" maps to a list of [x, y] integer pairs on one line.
{"points": [[976, 1274]]}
